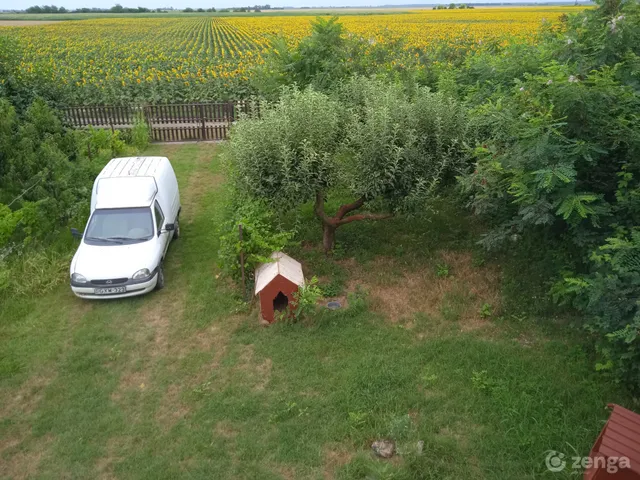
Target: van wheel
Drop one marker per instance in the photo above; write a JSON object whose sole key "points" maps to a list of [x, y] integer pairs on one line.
{"points": [[160, 282], [176, 232]]}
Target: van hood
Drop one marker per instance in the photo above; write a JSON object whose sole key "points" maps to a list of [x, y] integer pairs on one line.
{"points": [[97, 262]]}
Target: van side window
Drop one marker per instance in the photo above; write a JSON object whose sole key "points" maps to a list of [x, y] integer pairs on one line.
{"points": [[159, 216]]}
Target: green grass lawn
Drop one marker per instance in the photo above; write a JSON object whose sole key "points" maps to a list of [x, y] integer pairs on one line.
{"points": [[184, 383]]}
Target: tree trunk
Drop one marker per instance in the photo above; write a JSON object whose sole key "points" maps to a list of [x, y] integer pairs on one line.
{"points": [[328, 237], [330, 224]]}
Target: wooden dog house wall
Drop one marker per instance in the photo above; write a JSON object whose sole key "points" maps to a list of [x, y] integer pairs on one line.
{"points": [[276, 282]]}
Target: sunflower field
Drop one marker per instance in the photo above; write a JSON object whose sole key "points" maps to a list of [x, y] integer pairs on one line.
{"points": [[154, 60]]}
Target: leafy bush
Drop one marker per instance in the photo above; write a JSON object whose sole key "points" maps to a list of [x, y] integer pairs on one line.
{"points": [[559, 161], [610, 296], [43, 175], [104, 140], [318, 60], [306, 300], [556, 149], [331, 55], [8, 222], [140, 133], [260, 238], [46, 175]]}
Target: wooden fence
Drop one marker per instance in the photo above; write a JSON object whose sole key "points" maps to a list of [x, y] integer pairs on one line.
{"points": [[168, 123]]}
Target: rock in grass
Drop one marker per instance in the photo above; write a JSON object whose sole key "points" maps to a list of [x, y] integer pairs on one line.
{"points": [[383, 448]]}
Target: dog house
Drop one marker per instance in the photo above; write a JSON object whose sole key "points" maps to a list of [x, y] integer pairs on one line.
{"points": [[616, 453], [276, 282]]}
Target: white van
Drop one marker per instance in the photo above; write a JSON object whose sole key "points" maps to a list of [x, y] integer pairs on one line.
{"points": [[135, 209]]}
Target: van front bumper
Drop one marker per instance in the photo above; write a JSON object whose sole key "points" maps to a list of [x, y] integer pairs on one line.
{"points": [[132, 289]]}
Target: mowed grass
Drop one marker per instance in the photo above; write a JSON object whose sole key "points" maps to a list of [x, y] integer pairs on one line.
{"points": [[184, 383]]}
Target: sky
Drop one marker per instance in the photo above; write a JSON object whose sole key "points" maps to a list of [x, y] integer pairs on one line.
{"points": [[73, 4]]}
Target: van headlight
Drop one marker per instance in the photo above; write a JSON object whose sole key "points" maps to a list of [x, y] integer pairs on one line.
{"points": [[141, 274], [77, 278]]}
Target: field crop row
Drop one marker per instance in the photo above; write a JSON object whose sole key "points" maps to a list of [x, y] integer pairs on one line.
{"points": [[118, 60]]}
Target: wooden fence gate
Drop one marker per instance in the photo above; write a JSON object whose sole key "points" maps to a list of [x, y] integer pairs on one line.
{"points": [[168, 123]]}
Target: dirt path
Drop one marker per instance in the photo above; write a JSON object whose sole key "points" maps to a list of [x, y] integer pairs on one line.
{"points": [[157, 335], [200, 182], [167, 307]]}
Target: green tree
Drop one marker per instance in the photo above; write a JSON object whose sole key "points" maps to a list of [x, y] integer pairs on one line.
{"points": [[319, 59], [388, 152], [560, 161]]}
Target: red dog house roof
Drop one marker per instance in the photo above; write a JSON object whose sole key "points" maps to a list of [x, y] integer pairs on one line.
{"points": [[281, 265], [620, 437]]}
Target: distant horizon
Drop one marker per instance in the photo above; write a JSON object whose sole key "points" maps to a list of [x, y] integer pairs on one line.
{"points": [[21, 5]]}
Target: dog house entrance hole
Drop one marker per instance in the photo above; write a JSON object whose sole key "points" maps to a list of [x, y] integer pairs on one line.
{"points": [[280, 303]]}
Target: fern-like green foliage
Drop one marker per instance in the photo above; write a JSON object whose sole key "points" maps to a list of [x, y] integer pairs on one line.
{"points": [[575, 207], [610, 296], [560, 162], [550, 177]]}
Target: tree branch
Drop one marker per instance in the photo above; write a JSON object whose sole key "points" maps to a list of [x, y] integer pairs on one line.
{"points": [[349, 207], [364, 216], [318, 208]]}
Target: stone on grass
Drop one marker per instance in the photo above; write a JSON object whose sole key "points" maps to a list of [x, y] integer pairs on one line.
{"points": [[383, 448]]}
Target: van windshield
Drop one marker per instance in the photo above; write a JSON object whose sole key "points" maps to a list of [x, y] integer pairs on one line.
{"points": [[119, 226]]}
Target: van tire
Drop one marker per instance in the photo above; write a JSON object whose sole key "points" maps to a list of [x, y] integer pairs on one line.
{"points": [[160, 282], [176, 232]]}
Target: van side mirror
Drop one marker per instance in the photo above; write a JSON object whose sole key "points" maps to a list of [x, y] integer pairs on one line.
{"points": [[170, 227], [76, 234]]}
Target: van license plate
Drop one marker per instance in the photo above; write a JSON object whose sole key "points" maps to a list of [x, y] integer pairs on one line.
{"points": [[108, 291]]}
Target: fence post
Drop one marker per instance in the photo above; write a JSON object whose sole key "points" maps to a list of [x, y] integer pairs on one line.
{"points": [[204, 126], [231, 112], [146, 114]]}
